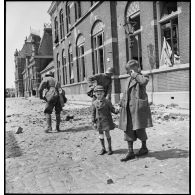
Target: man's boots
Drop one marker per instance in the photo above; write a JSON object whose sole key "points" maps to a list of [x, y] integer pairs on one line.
{"points": [[130, 155], [103, 151], [48, 120], [57, 122], [109, 146]]}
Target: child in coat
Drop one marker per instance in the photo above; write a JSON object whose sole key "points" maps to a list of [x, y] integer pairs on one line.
{"points": [[135, 114], [102, 117]]}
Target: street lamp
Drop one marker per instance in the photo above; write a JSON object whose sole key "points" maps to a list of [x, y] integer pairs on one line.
{"points": [[129, 29]]}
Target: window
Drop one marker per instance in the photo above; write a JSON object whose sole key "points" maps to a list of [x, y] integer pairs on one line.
{"points": [[68, 19], [80, 59], [64, 67], [58, 69], [98, 48], [70, 58], [61, 24], [169, 30], [56, 39], [134, 40], [77, 6]]}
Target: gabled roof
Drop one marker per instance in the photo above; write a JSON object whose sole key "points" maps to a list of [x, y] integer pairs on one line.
{"points": [[27, 47]]}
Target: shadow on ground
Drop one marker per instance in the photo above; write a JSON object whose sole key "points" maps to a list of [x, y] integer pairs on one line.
{"points": [[12, 149], [171, 153], [77, 129], [160, 155]]}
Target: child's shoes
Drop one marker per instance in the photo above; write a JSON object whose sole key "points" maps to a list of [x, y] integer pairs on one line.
{"points": [[103, 151], [110, 152], [142, 151], [129, 156]]}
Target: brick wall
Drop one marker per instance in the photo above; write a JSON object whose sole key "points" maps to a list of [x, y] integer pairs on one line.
{"points": [[184, 31], [177, 80], [112, 14], [147, 34], [85, 28], [122, 55]]}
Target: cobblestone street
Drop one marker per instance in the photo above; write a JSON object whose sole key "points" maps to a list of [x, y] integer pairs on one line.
{"points": [[68, 161]]}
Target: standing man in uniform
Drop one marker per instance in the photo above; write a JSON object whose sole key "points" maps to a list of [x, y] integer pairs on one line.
{"points": [[52, 92], [103, 79]]}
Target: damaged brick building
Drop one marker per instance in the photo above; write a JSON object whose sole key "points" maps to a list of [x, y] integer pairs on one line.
{"points": [[90, 36]]}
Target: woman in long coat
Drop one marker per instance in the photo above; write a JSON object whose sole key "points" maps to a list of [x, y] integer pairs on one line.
{"points": [[135, 114]]}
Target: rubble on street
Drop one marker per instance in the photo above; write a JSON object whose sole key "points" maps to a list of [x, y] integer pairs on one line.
{"points": [[68, 161]]}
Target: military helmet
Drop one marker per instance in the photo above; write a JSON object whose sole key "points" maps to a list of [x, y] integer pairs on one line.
{"points": [[98, 88], [110, 70]]}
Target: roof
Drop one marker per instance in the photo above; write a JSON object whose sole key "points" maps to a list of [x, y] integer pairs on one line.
{"points": [[48, 67], [27, 47]]}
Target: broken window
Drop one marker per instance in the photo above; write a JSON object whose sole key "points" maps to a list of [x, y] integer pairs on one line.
{"points": [[169, 32], [134, 37]]}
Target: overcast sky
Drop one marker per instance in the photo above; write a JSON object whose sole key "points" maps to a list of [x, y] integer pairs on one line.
{"points": [[20, 17]]}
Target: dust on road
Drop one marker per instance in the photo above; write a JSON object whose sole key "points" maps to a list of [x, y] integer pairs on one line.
{"points": [[68, 162]]}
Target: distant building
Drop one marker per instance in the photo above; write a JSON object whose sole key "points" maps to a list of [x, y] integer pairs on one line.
{"points": [[35, 55], [90, 36]]}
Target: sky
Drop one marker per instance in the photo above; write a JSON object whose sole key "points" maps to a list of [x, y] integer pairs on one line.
{"points": [[20, 17]]}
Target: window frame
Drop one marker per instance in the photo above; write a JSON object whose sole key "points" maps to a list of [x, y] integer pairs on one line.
{"points": [[81, 74], [77, 6], [130, 15], [68, 18], [71, 64], [61, 16], [58, 68], [96, 52], [162, 20], [64, 67], [56, 36]]}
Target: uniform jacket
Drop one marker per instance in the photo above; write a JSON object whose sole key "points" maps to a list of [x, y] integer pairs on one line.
{"points": [[135, 97], [50, 84], [101, 114], [103, 80]]}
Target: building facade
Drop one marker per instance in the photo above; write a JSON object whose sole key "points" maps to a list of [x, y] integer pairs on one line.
{"points": [[19, 67], [90, 36], [35, 55]]}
